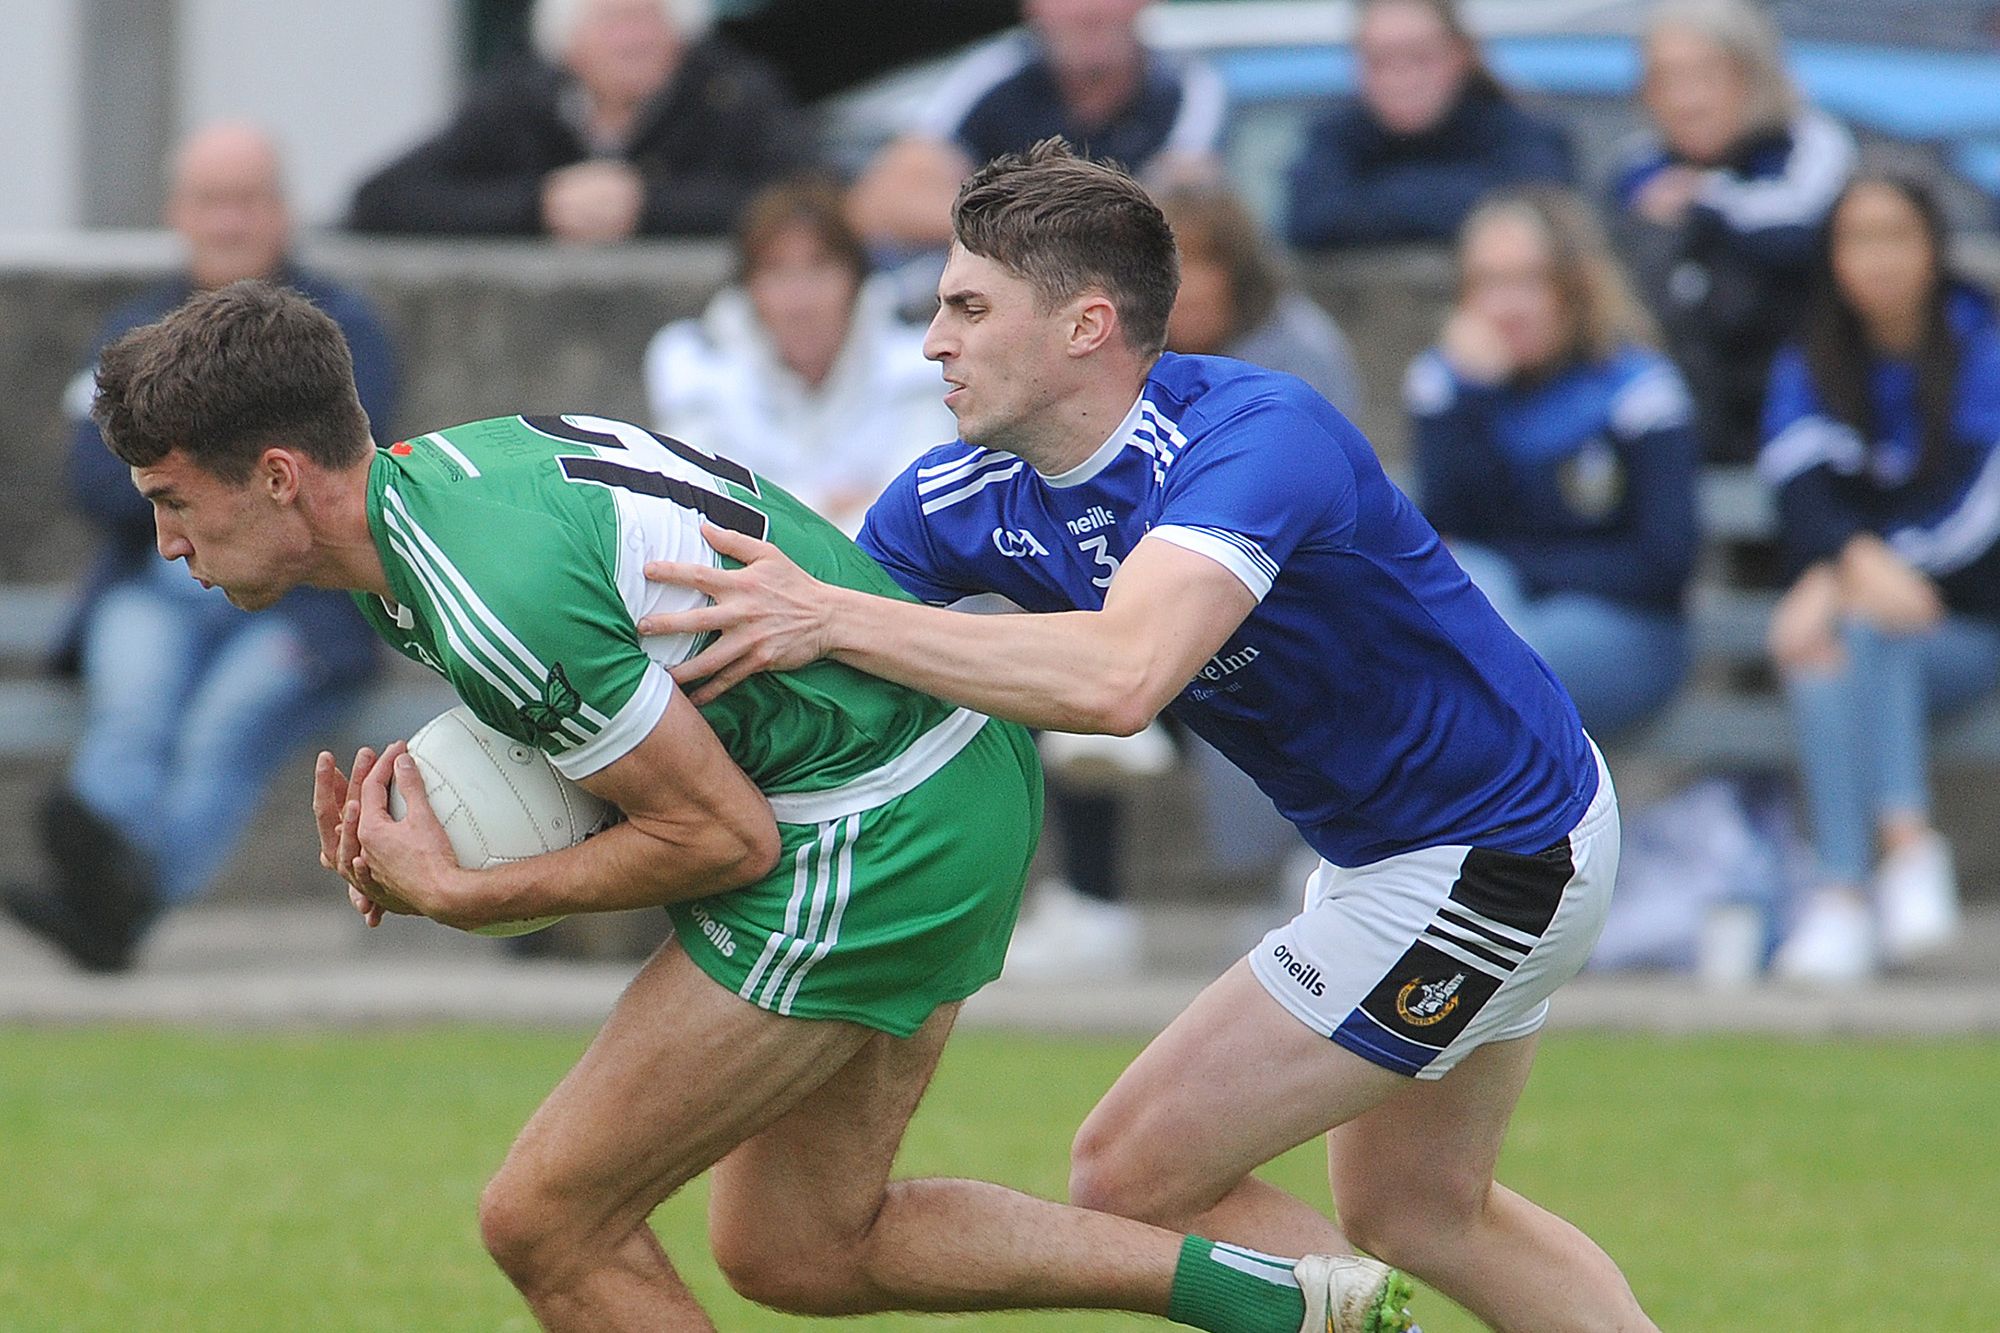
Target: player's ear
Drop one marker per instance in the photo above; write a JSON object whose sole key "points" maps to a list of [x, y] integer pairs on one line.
{"points": [[278, 474], [1094, 323]]}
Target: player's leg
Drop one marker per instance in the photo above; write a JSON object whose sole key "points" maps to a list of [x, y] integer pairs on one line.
{"points": [[1233, 1082], [681, 1072], [804, 1217], [1411, 963], [1414, 1180]]}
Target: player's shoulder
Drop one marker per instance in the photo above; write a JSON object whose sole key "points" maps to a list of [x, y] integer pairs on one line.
{"points": [[1199, 399], [957, 477]]}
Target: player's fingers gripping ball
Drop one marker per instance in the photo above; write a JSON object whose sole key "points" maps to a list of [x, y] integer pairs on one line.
{"points": [[498, 800]]}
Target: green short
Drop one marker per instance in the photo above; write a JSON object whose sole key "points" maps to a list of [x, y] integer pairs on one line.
{"points": [[880, 917]]}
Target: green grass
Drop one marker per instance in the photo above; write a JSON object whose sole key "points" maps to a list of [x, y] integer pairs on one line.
{"points": [[168, 1179]]}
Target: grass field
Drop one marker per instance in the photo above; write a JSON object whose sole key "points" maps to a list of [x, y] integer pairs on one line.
{"points": [[185, 1180]]}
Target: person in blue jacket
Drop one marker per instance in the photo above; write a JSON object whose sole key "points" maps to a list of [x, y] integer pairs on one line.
{"points": [[190, 704], [1555, 454], [1431, 131], [1880, 435], [1719, 204]]}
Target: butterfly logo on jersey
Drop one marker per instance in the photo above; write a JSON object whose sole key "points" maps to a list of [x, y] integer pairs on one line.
{"points": [[560, 701]]}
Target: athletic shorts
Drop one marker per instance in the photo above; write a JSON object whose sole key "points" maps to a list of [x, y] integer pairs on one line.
{"points": [[880, 916], [1415, 960]]}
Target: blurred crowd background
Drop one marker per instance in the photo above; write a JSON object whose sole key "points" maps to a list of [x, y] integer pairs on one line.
{"points": [[1674, 318]]}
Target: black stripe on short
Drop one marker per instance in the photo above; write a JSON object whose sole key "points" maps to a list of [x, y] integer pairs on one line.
{"points": [[1522, 891]]}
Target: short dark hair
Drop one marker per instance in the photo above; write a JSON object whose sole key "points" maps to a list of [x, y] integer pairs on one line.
{"points": [[1064, 224], [227, 375]]}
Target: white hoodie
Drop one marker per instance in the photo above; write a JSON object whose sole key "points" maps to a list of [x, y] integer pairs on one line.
{"points": [[717, 383]]}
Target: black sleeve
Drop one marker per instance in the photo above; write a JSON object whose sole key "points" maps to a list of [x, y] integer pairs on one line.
{"points": [[481, 175]]}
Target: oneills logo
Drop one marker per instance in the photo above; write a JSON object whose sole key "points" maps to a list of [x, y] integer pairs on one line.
{"points": [[1433, 1000]]}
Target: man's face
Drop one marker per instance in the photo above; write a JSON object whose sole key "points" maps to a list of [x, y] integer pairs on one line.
{"points": [[622, 51], [227, 202], [1088, 39], [1003, 356], [241, 538]]}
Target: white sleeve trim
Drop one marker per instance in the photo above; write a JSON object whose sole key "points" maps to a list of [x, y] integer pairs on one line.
{"points": [[1233, 551], [979, 73], [1821, 160], [1197, 128], [622, 734]]}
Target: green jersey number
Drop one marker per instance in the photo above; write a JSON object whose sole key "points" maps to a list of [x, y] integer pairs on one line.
{"points": [[712, 504]]}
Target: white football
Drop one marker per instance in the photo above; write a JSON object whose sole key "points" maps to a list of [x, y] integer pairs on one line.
{"points": [[499, 800]]}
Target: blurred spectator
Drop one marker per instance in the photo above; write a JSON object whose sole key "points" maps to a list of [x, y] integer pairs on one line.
{"points": [[1431, 132], [1721, 202], [1238, 300], [190, 703], [631, 123], [1080, 71], [1556, 456], [801, 370], [1881, 431]]}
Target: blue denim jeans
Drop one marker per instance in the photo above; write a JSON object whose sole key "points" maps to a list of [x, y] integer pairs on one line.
{"points": [[1862, 735], [190, 705], [1620, 663]]}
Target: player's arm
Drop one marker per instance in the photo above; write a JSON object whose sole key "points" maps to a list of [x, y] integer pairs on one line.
{"points": [[1167, 611], [694, 825]]}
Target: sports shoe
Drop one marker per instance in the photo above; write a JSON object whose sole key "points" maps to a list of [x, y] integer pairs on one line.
{"points": [[1833, 943], [1351, 1293], [1066, 934], [88, 944], [1916, 899]]}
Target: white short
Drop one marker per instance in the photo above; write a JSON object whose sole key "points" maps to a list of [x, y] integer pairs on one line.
{"points": [[1414, 961]]}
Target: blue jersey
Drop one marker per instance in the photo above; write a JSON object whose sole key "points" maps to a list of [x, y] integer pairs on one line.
{"points": [[1373, 694]]}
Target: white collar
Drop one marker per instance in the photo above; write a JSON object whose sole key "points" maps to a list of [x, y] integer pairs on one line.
{"points": [[1101, 459]]}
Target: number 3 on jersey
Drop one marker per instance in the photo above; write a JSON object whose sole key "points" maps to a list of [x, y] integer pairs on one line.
{"points": [[1098, 549], [656, 473]]}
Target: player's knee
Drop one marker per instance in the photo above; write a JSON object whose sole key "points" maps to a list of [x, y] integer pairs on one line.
{"points": [[522, 1230], [1404, 1221], [816, 1278], [1106, 1175]]}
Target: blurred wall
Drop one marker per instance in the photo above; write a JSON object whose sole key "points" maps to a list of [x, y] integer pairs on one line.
{"points": [[96, 92], [40, 46]]}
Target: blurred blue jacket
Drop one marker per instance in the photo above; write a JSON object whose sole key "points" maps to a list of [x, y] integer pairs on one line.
{"points": [[1355, 182], [1832, 485], [1585, 481], [101, 490]]}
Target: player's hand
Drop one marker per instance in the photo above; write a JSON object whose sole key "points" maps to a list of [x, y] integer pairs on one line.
{"points": [[336, 812], [770, 615], [408, 862]]}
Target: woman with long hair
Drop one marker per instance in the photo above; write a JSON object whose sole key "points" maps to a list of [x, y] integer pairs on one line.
{"points": [[1880, 432], [1719, 203], [1555, 454], [1429, 133]]}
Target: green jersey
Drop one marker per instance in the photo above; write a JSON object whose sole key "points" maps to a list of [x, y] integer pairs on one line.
{"points": [[515, 551]]}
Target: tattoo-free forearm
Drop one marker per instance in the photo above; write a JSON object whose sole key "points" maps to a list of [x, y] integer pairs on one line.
{"points": [[627, 865]]}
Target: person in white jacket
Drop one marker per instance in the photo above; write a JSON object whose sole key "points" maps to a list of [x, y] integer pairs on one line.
{"points": [[802, 370]]}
